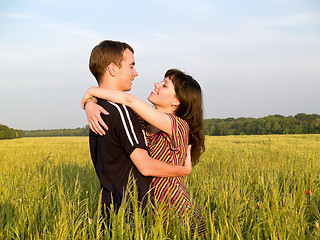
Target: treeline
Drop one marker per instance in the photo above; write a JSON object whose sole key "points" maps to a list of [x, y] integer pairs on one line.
{"points": [[274, 124], [9, 133], [58, 132]]}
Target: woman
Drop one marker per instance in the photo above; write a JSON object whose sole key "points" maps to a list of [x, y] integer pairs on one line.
{"points": [[175, 122]]}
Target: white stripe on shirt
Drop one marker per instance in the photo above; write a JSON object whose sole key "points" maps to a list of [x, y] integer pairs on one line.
{"points": [[125, 124], [130, 123]]}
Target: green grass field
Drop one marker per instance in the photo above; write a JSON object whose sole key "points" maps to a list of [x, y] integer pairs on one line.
{"points": [[248, 187]]}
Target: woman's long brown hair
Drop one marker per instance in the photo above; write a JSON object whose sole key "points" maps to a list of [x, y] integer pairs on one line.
{"points": [[190, 109]]}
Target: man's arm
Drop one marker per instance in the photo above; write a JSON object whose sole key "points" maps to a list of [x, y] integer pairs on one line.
{"points": [[148, 166], [146, 111]]}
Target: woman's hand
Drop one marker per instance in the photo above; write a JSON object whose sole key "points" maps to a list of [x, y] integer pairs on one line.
{"points": [[95, 121], [187, 162]]}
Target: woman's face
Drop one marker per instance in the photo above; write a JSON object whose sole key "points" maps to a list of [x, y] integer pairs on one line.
{"points": [[163, 96]]}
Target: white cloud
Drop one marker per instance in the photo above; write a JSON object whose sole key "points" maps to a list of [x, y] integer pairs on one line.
{"points": [[19, 16], [245, 62], [295, 20], [72, 31]]}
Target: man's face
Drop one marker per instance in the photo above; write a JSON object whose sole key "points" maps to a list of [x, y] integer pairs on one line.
{"points": [[127, 72]]}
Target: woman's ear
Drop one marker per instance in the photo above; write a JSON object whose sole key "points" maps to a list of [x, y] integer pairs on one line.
{"points": [[175, 102]]}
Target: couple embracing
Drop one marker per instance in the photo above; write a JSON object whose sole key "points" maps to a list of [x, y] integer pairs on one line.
{"points": [[128, 136]]}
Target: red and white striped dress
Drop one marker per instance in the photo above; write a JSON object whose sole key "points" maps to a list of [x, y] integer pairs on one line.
{"points": [[171, 192]]}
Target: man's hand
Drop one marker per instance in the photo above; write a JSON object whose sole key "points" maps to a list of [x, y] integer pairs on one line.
{"points": [[95, 121]]}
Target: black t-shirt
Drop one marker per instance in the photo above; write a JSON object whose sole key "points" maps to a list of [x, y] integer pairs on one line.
{"points": [[111, 153]]}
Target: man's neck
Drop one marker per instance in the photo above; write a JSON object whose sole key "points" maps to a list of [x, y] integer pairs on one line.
{"points": [[109, 84]]}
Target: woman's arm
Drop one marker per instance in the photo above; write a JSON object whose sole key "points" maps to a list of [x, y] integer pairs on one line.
{"points": [[147, 112], [148, 166]]}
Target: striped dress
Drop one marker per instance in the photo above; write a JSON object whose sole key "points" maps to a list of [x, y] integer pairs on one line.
{"points": [[170, 192]]}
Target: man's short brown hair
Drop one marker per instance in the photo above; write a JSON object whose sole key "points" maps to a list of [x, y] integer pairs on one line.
{"points": [[104, 53]]}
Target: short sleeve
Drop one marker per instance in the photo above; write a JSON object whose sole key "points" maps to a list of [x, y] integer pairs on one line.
{"points": [[129, 130], [180, 132]]}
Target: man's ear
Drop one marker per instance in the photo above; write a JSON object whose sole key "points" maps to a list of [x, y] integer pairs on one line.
{"points": [[111, 68]]}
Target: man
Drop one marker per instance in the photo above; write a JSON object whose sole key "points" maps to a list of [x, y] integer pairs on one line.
{"points": [[122, 149]]}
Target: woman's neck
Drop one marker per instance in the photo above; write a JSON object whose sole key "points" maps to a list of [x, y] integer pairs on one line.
{"points": [[164, 110]]}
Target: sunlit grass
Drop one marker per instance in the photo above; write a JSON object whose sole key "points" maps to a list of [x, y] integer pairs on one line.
{"points": [[247, 187]]}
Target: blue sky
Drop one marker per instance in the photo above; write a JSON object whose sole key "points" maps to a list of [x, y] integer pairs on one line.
{"points": [[252, 58]]}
